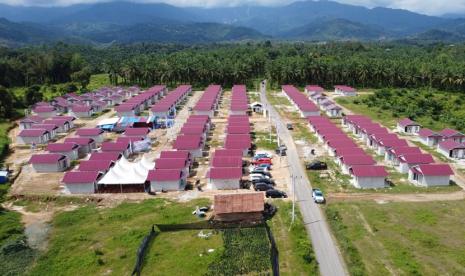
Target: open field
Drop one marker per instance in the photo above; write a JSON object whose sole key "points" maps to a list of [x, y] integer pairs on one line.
{"points": [[400, 238]]}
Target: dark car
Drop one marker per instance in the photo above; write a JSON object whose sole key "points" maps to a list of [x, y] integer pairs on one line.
{"points": [[276, 194], [263, 180], [317, 166], [262, 172], [262, 187], [289, 126]]}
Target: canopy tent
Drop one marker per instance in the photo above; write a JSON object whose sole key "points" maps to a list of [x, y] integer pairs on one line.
{"points": [[126, 173]]}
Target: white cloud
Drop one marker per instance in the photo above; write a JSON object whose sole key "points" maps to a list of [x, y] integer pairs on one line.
{"points": [[432, 7]]}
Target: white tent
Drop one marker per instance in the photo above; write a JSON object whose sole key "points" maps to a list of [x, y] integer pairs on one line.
{"points": [[126, 173]]}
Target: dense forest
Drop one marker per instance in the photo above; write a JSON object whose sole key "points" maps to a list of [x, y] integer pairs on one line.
{"points": [[373, 65]]}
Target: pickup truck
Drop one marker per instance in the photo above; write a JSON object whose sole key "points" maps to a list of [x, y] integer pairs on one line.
{"points": [[317, 196]]}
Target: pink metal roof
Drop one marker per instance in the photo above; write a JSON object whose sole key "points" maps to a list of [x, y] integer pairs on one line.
{"points": [[32, 119], [44, 108], [407, 122], [404, 150], [392, 143], [82, 141], [114, 146], [61, 147], [127, 140], [95, 165], [170, 163], [227, 162], [188, 142], [164, 175], [137, 131], [450, 132], [451, 145], [426, 132], [238, 129], [433, 169], [369, 171], [345, 88], [81, 108], [48, 127], [114, 156], [352, 160], [349, 151], [46, 158], [78, 177], [225, 173], [193, 129], [89, 131], [32, 132], [227, 152], [175, 154], [415, 158], [316, 88]]}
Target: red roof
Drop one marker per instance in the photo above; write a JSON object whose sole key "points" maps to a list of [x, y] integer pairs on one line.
{"points": [[188, 142], [238, 129], [81, 108], [426, 132], [433, 169], [82, 141], [32, 132], [450, 145], [363, 159], [404, 150], [345, 88], [137, 131], [450, 132], [407, 122], [227, 162], [170, 163], [114, 146], [78, 177], [349, 151], [114, 156], [62, 147], [315, 88], [164, 175], [193, 129], [89, 131], [48, 127], [415, 158], [227, 152], [127, 140], [175, 154], [44, 108], [369, 171], [95, 165], [46, 158], [225, 173]]}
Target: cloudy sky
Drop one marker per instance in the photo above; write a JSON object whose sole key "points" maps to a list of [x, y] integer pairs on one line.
{"points": [[432, 7]]}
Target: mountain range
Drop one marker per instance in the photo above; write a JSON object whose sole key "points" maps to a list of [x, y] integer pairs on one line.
{"points": [[127, 22]]}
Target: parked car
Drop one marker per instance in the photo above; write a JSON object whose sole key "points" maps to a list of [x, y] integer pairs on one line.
{"points": [[289, 126], [276, 194], [262, 161], [263, 187], [261, 172], [264, 165], [256, 178], [258, 168], [263, 154], [259, 175], [318, 196], [264, 180], [317, 166]]}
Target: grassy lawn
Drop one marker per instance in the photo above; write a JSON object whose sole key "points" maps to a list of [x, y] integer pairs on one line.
{"points": [[97, 81], [400, 238], [354, 104], [4, 140], [296, 255], [262, 140]]}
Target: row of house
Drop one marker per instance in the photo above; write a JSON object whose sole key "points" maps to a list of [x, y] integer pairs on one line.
{"points": [[37, 130], [304, 105], [135, 105], [348, 155], [166, 107], [316, 94], [208, 103], [397, 152]]}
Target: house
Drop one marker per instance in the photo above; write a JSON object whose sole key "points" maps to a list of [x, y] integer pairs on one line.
{"points": [[313, 89], [32, 136], [239, 142], [239, 207], [113, 156], [173, 164], [70, 150], [81, 182], [49, 162], [344, 90], [408, 126], [368, 177], [96, 165], [452, 149], [166, 180], [349, 161], [428, 175], [86, 145], [386, 144], [429, 137], [127, 110], [120, 147], [68, 119], [452, 135], [226, 162], [406, 161], [51, 128], [225, 178], [63, 124], [94, 133], [137, 132], [333, 111], [176, 154], [392, 154], [82, 111], [191, 143], [256, 107], [29, 121], [45, 111]]}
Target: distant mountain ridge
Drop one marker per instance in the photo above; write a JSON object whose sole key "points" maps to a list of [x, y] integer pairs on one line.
{"points": [[128, 22]]}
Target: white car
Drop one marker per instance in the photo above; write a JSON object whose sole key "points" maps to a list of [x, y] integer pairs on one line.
{"points": [[257, 176], [317, 196], [254, 168], [263, 154]]}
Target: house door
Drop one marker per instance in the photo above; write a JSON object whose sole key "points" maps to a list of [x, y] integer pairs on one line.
{"points": [[415, 177]]}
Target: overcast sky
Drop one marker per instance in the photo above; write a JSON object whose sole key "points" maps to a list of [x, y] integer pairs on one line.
{"points": [[432, 7]]}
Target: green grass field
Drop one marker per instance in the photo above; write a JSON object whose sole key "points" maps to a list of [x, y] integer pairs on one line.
{"points": [[383, 116], [262, 140], [400, 238], [97, 81]]}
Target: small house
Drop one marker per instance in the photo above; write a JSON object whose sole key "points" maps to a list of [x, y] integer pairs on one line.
{"points": [[96, 165], [51, 128], [191, 143], [166, 180], [429, 137], [452, 135], [348, 161], [63, 124], [333, 111], [173, 164], [345, 90], [137, 132], [429, 175], [29, 121], [408, 126], [452, 149], [257, 107], [120, 147], [49, 162], [225, 178], [94, 133], [368, 177], [406, 161], [45, 111], [82, 111], [81, 182], [33, 136], [86, 145], [70, 150], [239, 207]]}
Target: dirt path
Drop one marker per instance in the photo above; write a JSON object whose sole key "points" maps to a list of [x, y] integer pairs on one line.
{"points": [[384, 198]]}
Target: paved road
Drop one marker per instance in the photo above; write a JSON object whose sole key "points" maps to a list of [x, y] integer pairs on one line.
{"points": [[327, 253]]}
